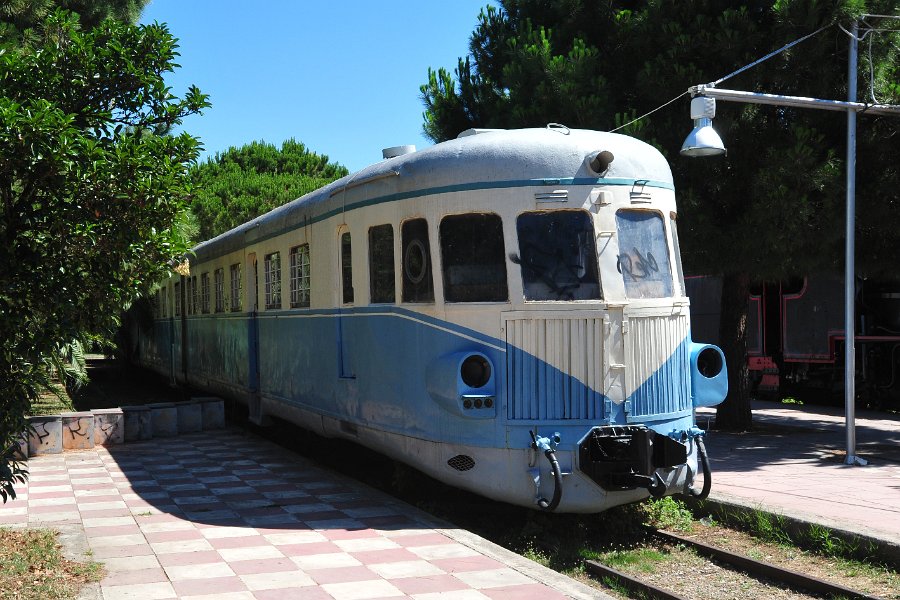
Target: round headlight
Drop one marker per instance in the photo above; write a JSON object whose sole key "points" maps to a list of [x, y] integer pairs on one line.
{"points": [[709, 362], [475, 371]]}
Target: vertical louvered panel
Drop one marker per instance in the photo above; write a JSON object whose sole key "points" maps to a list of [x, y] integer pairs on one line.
{"points": [[554, 368], [657, 369]]}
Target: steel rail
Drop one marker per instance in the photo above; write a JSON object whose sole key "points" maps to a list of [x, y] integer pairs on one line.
{"points": [[632, 584], [764, 569]]}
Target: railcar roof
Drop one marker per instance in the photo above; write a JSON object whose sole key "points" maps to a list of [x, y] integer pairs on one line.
{"points": [[495, 158]]}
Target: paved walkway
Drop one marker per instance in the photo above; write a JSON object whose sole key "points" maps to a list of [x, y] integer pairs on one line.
{"points": [[228, 516], [792, 464]]}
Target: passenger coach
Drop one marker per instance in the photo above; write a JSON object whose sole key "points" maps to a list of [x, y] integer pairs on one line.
{"points": [[505, 311]]}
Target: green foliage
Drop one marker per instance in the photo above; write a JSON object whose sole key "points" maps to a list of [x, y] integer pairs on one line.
{"points": [[89, 190], [21, 21], [68, 364], [668, 513], [12, 471], [763, 525], [242, 183]]}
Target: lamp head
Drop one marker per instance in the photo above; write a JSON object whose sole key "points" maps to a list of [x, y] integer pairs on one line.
{"points": [[703, 139]]}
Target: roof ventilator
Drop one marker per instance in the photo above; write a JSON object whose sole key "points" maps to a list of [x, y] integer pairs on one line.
{"points": [[396, 151], [599, 163]]}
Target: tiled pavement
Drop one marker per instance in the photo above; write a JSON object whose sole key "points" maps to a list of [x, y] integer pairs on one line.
{"points": [[228, 516]]}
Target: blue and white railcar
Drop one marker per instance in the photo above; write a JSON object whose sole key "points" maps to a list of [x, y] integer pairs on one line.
{"points": [[505, 311]]}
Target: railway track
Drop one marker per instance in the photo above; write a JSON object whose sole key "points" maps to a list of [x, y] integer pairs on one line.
{"points": [[755, 568]]}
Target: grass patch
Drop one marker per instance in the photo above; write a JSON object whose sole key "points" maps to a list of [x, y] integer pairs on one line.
{"points": [[33, 568], [794, 401], [668, 513], [644, 560], [52, 402], [821, 540], [760, 524]]}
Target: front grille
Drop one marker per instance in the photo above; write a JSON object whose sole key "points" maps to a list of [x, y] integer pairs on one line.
{"points": [[554, 366], [657, 366]]}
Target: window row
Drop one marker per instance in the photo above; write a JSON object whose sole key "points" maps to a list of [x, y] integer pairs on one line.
{"points": [[198, 297], [557, 257]]}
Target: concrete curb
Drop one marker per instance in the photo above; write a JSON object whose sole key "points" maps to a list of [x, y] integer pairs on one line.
{"points": [[724, 507], [74, 544]]}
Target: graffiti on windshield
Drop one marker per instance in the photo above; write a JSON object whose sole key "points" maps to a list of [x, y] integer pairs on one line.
{"points": [[643, 258], [637, 265]]}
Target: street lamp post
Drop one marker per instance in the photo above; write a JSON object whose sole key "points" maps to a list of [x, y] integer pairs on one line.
{"points": [[850, 262], [704, 141]]}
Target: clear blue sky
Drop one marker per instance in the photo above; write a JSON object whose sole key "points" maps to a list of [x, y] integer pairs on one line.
{"points": [[341, 76]]}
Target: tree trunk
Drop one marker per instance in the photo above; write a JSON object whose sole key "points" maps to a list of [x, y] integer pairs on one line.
{"points": [[734, 413]]}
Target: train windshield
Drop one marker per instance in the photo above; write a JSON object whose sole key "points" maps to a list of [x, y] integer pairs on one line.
{"points": [[643, 257], [558, 256]]}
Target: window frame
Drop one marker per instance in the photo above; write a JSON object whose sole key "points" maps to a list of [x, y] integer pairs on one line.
{"points": [[204, 292], [483, 223], [346, 267], [382, 269], [195, 293], [272, 269], [300, 274], [219, 287], [649, 262], [237, 291], [591, 252], [420, 289]]}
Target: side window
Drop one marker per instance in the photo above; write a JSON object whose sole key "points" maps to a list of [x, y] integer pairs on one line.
{"points": [[381, 264], [417, 281], [300, 276], [346, 269], [679, 272], [219, 282], [204, 292], [236, 288], [164, 301], [195, 293], [189, 296], [177, 299], [558, 256], [273, 280], [473, 258], [643, 257]]}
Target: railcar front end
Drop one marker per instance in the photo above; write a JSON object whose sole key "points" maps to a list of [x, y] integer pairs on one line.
{"points": [[505, 312]]}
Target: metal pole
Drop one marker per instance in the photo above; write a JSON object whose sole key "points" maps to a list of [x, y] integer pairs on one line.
{"points": [[849, 260], [800, 101]]}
